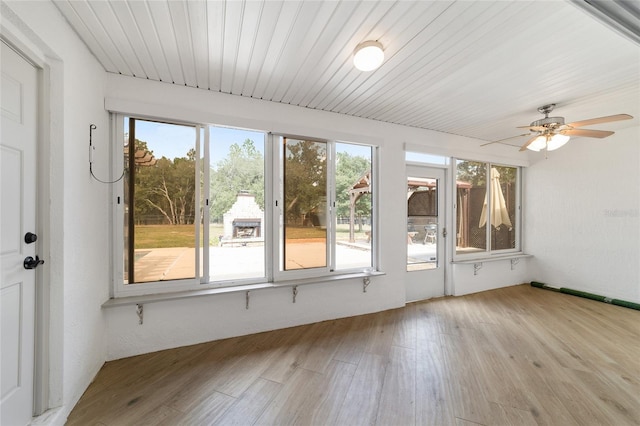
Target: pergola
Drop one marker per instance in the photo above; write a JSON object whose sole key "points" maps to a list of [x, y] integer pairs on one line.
{"points": [[363, 186], [357, 190]]}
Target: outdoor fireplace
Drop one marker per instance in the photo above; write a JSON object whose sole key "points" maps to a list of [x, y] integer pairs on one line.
{"points": [[246, 228], [244, 219]]}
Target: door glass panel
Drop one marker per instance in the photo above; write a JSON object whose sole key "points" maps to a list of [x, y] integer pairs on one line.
{"points": [[304, 221], [422, 223]]}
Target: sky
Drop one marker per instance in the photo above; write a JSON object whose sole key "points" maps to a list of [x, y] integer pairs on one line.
{"points": [[174, 141]]}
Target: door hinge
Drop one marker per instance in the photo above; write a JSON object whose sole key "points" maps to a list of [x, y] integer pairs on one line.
{"points": [[444, 232]]}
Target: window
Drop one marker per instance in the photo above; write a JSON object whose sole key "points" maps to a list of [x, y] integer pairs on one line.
{"points": [[354, 206], [221, 206], [326, 206], [304, 204], [159, 201], [424, 158], [487, 208], [234, 204]]}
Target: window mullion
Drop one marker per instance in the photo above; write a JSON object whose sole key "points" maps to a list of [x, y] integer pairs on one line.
{"points": [[197, 205], [489, 211], [331, 207], [271, 213], [518, 218], [118, 211], [206, 208], [375, 203], [131, 214]]}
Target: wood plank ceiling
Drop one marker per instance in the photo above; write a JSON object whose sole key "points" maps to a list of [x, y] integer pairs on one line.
{"points": [[473, 68]]}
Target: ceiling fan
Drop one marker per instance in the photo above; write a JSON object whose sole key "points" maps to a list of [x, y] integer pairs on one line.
{"points": [[551, 133]]}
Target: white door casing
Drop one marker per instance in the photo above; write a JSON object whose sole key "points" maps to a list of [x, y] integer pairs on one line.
{"points": [[427, 280], [17, 217]]}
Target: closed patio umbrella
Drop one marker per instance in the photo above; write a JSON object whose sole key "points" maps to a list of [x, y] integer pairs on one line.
{"points": [[499, 213]]}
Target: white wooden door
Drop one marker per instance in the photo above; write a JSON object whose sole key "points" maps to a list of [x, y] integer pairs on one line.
{"points": [[425, 233], [17, 217]]}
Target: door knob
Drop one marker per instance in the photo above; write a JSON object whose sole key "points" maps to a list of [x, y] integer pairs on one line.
{"points": [[30, 237], [31, 263]]}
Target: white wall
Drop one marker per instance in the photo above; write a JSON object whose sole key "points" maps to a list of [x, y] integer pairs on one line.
{"points": [[76, 232], [491, 275], [174, 323], [582, 216]]}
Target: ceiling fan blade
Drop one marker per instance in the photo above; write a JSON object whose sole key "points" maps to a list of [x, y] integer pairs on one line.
{"points": [[587, 133], [506, 139], [599, 120], [524, 147]]}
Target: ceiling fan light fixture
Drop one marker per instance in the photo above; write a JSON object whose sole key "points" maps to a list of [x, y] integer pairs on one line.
{"points": [[368, 56], [551, 132], [557, 141], [538, 143]]}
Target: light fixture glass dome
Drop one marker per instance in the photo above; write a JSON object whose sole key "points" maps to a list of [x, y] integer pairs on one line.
{"points": [[538, 143], [557, 141], [368, 56]]}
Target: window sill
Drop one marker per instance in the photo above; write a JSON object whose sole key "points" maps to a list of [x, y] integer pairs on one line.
{"points": [[492, 258], [163, 297], [514, 258]]}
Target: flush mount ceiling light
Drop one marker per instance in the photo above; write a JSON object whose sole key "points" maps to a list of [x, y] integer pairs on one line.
{"points": [[368, 56]]}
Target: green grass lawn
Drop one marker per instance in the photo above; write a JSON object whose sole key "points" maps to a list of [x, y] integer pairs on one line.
{"points": [[342, 232], [162, 236], [304, 232]]}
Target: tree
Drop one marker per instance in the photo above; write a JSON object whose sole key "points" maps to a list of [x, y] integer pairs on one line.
{"points": [[475, 173], [349, 169], [241, 170], [472, 172], [305, 181], [165, 189]]}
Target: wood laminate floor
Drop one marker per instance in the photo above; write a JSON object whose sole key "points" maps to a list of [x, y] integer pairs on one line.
{"points": [[518, 355]]}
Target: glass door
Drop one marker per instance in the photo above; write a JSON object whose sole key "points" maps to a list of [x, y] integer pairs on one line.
{"points": [[425, 232]]}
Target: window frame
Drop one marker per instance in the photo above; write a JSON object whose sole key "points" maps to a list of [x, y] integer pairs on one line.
{"points": [[279, 274], [272, 253], [206, 270], [120, 289], [489, 252]]}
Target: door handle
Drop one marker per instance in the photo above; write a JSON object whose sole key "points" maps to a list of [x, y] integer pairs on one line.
{"points": [[31, 263]]}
